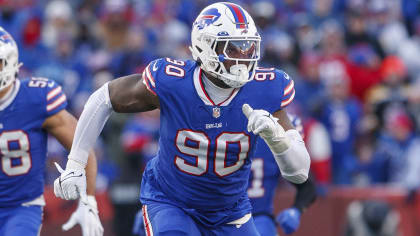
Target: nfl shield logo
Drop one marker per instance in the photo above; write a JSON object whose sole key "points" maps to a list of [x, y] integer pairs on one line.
{"points": [[216, 112]]}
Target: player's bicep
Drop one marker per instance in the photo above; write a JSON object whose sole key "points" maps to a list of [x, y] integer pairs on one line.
{"points": [[283, 119], [129, 94], [62, 126]]}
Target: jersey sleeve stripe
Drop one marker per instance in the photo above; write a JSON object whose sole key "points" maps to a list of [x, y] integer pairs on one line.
{"points": [[56, 103], [150, 77], [53, 93], [289, 88], [288, 101], [145, 82]]}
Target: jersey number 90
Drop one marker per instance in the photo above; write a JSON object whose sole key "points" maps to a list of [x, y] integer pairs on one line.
{"points": [[196, 144], [7, 155]]}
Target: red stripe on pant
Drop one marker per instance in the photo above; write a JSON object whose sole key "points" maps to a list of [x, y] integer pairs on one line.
{"points": [[147, 225]]}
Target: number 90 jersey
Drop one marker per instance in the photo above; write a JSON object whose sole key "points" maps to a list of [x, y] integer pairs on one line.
{"points": [[204, 153], [23, 142]]}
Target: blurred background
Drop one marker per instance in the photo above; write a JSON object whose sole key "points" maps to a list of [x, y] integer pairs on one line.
{"points": [[356, 67]]}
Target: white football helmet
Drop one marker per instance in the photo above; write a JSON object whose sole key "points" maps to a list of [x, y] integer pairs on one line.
{"points": [[8, 59], [225, 31]]}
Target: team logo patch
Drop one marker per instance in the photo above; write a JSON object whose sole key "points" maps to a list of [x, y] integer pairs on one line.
{"points": [[216, 112], [209, 17]]}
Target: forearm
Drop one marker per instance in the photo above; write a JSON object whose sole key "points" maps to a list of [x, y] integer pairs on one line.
{"points": [[294, 162], [96, 112], [305, 195], [91, 171], [287, 147]]}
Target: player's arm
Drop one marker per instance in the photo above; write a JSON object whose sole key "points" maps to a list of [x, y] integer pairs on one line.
{"points": [[62, 126], [283, 120], [284, 141], [125, 94], [129, 94]]}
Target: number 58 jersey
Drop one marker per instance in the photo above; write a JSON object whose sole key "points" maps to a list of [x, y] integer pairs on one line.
{"points": [[204, 153], [23, 142]]}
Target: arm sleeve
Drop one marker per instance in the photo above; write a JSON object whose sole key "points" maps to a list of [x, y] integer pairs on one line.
{"points": [[293, 163], [96, 112]]}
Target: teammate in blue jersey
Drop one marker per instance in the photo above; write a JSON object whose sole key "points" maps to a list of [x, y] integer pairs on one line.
{"points": [[212, 110], [262, 184], [29, 110]]}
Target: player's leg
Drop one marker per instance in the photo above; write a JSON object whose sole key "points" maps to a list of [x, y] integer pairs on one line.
{"points": [[167, 220], [246, 229], [24, 220], [265, 225]]}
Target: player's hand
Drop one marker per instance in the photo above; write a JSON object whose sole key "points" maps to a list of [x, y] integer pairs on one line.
{"points": [[262, 123], [138, 226], [72, 182], [289, 220], [87, 216]]}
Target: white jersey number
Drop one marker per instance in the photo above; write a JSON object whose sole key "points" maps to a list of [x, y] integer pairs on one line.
{"points": [[196, 144], [175, 70], [7, 155], [257, 170]]}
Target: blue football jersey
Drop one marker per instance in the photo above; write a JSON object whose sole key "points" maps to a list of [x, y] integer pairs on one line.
{"points": [[204, 153], [23, 142]]}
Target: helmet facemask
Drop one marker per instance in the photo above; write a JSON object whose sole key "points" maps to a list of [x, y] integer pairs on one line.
{"points": [[7, 73], [232, 60]]}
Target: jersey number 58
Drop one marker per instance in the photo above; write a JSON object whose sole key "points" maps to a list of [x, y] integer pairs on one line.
{"points": [[7, 155]]}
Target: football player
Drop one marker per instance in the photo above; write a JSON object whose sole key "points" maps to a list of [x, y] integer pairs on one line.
{"points": [[262, 184], [29, 110], [212, 109]]}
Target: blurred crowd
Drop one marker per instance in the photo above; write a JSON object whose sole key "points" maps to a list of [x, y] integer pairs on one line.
{"points": [[355, 64]]}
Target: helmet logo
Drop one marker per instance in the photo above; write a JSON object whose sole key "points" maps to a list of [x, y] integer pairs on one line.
{"points": [[5, 37], [244, 31], [207, 18]]}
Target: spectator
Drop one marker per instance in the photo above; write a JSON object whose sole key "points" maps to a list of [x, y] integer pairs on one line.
{"points": [[370, 218], [393, 89], [396, 158], [340, 114]]}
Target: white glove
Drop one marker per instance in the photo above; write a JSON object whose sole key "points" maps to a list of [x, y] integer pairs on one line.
{"points": [[86, 215], [72, 182], [262, 123], [288, 148]]}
